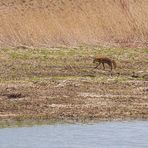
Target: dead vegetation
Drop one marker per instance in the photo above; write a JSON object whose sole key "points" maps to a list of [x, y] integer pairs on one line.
{"points": [[32, 23], [62, 84]]}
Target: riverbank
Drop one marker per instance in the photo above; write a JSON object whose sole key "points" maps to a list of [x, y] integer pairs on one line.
{"points": [[61, 84]]}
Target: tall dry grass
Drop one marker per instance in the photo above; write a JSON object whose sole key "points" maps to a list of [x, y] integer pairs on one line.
{"points": [[46, 23]]}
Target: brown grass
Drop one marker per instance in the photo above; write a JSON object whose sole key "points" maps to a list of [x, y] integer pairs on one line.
{"points": [[73, 22], [61, 84]]}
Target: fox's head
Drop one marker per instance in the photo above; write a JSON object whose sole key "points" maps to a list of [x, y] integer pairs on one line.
{"points": [[95, 60]]}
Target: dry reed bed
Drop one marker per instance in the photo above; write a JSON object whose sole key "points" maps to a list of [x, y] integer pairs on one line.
{"points": [[73, 22]]}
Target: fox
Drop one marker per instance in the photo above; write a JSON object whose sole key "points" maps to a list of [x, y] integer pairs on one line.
{"points": [[102, 60]]}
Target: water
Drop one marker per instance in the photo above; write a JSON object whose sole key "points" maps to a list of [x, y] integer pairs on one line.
{"points": [[100, 135]]}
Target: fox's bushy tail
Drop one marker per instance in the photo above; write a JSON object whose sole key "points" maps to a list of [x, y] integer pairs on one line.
{"points": [[114, 63]]}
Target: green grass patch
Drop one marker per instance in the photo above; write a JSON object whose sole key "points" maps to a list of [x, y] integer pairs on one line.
{"points": [[146, 51], [22, 64]]}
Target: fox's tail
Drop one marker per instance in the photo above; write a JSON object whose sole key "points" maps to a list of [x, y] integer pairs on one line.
{"points": [[114, 63]]}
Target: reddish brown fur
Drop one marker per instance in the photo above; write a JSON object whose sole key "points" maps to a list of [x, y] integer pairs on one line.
{"points": [[103, 60]]}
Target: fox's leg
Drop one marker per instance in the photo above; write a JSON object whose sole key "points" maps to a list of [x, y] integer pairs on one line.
{"points": [[97, 65], [103, 66], [111, 67]]}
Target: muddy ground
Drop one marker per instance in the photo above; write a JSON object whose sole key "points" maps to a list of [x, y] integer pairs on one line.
{"points": [[61, 84]]}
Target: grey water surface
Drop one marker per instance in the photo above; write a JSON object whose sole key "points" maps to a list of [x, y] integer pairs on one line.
{"points": [[98, 135]]}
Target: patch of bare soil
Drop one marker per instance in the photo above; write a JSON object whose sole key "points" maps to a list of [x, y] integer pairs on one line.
{"points": [[79, 99]]}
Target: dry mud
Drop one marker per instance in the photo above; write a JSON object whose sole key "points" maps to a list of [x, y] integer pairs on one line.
{"points": [[74, 99]]}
